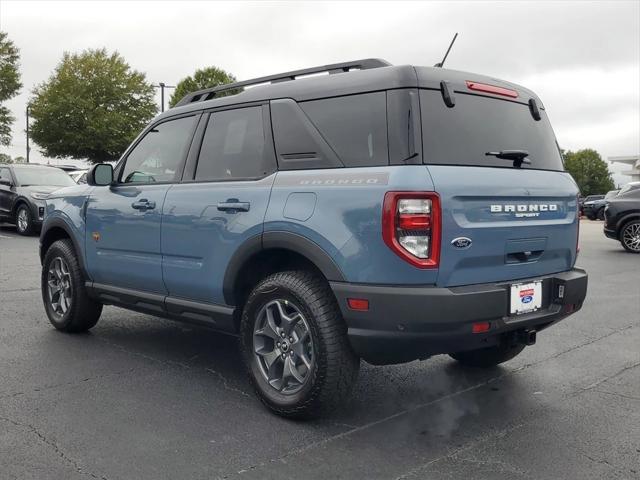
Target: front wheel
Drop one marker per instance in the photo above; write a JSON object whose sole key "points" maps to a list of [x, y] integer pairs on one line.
{"points": [[65, 298], [600, 214], [295, 347], [488, 357], [630, 236], [23, 220]]}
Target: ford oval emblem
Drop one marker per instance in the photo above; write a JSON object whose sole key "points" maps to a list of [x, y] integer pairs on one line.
{"points": [[461, 242]]}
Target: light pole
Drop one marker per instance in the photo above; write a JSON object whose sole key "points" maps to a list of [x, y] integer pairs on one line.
{"points": [[162, 86], [27, 131]]}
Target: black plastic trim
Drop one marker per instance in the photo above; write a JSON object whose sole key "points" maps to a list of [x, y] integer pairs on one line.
{"points": [[219, 317], [52, 223], [250, 247]]}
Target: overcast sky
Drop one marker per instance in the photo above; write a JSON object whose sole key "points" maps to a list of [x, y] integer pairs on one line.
{"points": [[581, 58]]}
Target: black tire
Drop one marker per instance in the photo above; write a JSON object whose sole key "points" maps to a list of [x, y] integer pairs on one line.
{"points": [[628, 236], [26, 230], [600, 214], [334, 367], [488, 357], [82, 312], [590, 216]]}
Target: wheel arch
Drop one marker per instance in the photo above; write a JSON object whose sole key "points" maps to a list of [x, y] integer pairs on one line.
{"points": [[264, 254], [626, 218], [54, 230]]}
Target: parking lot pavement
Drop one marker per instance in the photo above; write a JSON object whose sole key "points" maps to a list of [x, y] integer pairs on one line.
{"points": [[140, 397]]}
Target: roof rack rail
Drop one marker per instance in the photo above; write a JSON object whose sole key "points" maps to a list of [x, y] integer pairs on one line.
{"points": [[209, 93]]}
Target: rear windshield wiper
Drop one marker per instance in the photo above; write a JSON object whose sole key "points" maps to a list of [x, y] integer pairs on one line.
{"points": [[518, 156]]}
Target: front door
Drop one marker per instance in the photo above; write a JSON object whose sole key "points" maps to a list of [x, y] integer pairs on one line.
{"points": [[123, 220], [6, 193]]}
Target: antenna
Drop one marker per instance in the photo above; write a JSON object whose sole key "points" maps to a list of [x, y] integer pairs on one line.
{"points": [[439, 65]]}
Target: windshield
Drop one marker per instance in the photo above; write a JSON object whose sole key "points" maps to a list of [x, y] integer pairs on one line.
{"points": [[53, 177], [627, 187], [463, 135], [611, 194]]}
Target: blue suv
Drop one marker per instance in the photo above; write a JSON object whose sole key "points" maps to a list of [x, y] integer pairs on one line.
{"points": [[378, 212]]}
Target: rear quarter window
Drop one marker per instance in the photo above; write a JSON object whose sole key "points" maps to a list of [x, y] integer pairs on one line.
{"points": [[354, 126], [476, 124]]}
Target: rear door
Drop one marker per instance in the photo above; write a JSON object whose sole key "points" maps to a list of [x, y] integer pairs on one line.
{"points": [[220, 204], [500, 221], [123, 220], [6, 193]]}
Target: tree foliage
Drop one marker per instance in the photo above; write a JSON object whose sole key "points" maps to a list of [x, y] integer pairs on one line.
{"points": [[204, 78], [590, 172], [9, 84], [4, 158], [91, 107]]}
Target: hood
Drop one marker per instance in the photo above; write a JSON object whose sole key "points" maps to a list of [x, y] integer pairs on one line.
{"points": [[40, 188]]}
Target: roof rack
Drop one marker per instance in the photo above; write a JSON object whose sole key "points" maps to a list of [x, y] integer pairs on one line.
{"points": [[209, 93]]}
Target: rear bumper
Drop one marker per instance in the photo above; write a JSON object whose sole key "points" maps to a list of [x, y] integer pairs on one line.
{"points": [[408, 323]]}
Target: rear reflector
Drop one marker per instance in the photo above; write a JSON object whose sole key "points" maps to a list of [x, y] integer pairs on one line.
{"points": [[361, 304], [480, 327], [483, 87]]}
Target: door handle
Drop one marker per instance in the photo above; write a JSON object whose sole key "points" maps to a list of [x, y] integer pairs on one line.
{"points": [[143, 204], [233, 206]]}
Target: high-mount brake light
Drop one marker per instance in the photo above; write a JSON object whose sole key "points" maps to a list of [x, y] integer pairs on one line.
{"points": [[483, 87], [411, 227]]}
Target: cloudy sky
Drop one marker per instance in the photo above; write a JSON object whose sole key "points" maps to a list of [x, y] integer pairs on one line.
{"points": [[582, 58]]}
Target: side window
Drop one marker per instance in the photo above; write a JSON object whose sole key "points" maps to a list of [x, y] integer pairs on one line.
{"points": [[157, 157], [5, 174], [234, 146], [355, 126]]}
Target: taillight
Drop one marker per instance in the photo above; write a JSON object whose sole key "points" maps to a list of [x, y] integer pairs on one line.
{"points": [[483, 87], [578, 222], [411, 226]]}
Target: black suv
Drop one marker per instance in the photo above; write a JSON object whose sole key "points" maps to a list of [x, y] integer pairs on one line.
{"points": [[622, 217], [23, 190]]}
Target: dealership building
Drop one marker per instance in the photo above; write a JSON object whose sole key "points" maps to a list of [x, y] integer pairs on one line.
{"points": [[633, 161]]}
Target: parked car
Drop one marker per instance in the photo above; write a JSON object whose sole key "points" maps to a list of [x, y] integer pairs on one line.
{"points": [[588, 198], [23, 190], [327, 220], [622, 217], [79, 176], [594, 209]]}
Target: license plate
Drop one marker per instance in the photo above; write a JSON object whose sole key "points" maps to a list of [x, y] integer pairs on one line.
{"points": [[526, 297]]}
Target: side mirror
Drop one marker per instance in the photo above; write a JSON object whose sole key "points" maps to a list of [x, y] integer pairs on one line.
{"points": [[100, 175], [6, 182]]}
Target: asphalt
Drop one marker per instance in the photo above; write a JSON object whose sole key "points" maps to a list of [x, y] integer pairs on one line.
{"points": [[145, 398]]}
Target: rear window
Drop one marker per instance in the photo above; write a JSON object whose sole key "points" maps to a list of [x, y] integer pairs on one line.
{"points": [[354, 126], [463, 134]]}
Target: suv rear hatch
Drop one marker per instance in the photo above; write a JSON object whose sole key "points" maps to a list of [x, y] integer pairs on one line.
{"points": [[502, 220]]}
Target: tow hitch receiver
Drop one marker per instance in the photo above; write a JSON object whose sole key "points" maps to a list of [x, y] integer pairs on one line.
{"points": [[526, 337]]}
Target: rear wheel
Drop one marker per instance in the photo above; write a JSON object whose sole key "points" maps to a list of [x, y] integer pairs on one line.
{"points": [[488, 357], [65, 298], [630, 236], [23, 220], [295, 347]]}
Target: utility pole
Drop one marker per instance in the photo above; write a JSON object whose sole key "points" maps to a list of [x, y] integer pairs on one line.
{"points": [[28, 148], [162, 86]]}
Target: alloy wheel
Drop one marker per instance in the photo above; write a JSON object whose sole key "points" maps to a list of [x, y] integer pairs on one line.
{"points": [[59, 286], [23, 220], [283, 346], [631, 237]]}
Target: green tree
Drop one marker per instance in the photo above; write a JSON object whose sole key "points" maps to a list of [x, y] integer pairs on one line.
{"points": [[590, 172], [9, 84], [19, 160], [201, 79], [92, 107], [4, 158]]}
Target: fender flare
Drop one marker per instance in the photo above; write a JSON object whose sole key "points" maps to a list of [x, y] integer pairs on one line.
{"points": [[281, 240], [57, 222]]}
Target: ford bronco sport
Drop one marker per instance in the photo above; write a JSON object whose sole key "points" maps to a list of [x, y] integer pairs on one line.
{"points": [[385, 213]]}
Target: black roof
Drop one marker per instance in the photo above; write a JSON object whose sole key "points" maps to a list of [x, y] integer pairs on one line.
{"points": [[375, 75]]}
